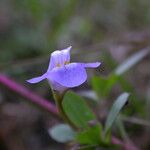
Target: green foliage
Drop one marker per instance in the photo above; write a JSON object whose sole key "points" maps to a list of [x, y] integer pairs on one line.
{"points": [[77, 110], [62, 133], [79, 113], [91, 136], [102, 85], [115, 109]]}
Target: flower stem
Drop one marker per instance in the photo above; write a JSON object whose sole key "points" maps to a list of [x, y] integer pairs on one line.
{"points": [[58, 100]]}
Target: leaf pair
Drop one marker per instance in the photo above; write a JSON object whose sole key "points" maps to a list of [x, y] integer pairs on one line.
{"points": [[80, 114]]}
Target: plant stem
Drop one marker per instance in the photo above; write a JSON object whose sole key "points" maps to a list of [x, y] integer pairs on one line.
{"points": [[58, 100], [28, 94]]}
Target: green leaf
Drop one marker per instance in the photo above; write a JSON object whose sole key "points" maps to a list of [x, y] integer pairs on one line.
{"points": [[102, 86], [91, 136], [62, 133], [77, 110], [99, 85], [115, 109], [131, 61], [136, 101]]}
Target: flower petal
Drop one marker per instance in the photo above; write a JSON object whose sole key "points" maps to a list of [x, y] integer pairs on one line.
{"points": [[56, 86], [91, 65], [70, 75], [37, 79], [59, 57]]}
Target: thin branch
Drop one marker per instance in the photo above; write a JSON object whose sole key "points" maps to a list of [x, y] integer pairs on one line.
{"points": [[126, 145], [24, 92], [135, 120]]}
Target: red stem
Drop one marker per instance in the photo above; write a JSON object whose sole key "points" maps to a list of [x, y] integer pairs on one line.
{"points": [[126, 145], [24, 92]]}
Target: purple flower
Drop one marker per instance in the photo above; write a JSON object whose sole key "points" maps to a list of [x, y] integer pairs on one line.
{"points": [[62, 74]]}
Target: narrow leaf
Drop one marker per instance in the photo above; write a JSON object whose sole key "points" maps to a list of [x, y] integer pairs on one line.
{"points": [[115, 109]]}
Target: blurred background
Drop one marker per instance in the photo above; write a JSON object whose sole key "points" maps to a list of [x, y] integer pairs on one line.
{"points": [[99, 30]]}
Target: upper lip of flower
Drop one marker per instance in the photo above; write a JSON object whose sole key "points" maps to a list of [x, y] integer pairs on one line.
{"points": [[59, 58], [63, 72]]}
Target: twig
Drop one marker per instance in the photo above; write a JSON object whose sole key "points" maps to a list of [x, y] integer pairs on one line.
{"points": [[126, 145], [24, 92], [136, 120]]}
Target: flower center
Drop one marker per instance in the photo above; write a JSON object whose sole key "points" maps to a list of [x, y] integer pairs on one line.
{"points": [[58, 65], [65, 63]]}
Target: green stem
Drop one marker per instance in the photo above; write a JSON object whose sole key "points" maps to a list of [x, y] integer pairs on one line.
{"points": [[58, 100]]}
